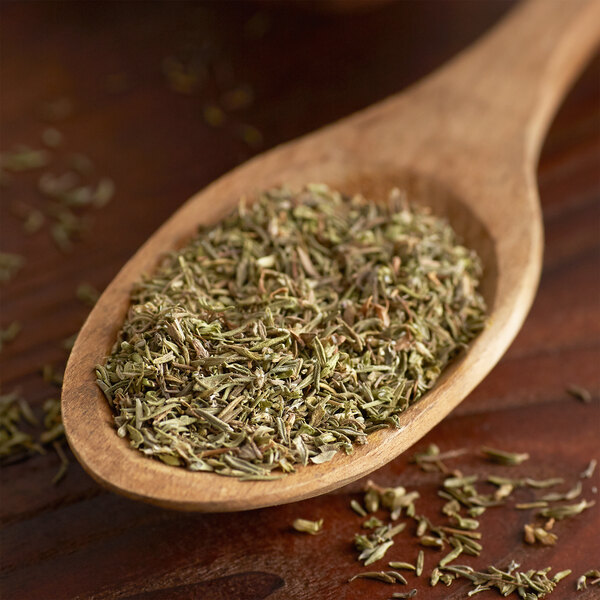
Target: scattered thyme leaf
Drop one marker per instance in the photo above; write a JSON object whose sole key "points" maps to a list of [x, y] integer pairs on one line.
{"points": [[503, 457], [8, 334], [87, 294], [589, 470], [580, 393], [564, 512], [306, 526], [10, 265]]}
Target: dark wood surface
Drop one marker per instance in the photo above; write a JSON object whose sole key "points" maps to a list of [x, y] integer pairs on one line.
{"points": [[307, 68]]}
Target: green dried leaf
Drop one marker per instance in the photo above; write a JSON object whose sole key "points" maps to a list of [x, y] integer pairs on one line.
{"points": [[305, 526], [564, 512], [504, 458], [580, 393]]}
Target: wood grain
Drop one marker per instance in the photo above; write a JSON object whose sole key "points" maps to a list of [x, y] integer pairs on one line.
{"points": [[76, 540]]}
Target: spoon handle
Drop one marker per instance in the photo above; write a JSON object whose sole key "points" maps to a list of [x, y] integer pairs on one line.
{"points": [[514, 78], [492, 104]]}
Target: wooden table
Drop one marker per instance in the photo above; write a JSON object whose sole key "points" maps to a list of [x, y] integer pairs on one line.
{"points": [[148, 132]]}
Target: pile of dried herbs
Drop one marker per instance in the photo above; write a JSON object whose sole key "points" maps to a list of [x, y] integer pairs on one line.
{"points": [[290, 331], [460, 534]]}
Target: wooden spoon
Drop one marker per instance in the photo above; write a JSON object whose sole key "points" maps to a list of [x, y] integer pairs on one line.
{"points": [[464, 141]]}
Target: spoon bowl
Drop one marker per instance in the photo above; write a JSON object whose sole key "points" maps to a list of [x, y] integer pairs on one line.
{"points": [[465, 142]]}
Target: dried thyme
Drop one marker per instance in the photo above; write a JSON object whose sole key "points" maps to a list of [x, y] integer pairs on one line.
{"points": [[373, 547], [573, 493], [402, 565], [251, 135], [52, 375], [504, 458], [529, 505], [65, 194], [10, 265], [431, 459], [530, 585], [33, 221], [580, 393], [52, 137], [15, 412], [461, 493], [358, 509], [589, 470], [214, 116], [533, 534], [420, 563], [238, 98], [16, 441], [525, 482], [384, 576], [69, 342], [87, 294], [53, 424], [582, 581], [64, 463], [566, 511], [24, 158], [305, 526], [410, 594], [290, 331], [372, 523], [9, 333], [452, 555]]}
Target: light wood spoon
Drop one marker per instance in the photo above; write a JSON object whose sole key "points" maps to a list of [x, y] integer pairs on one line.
{"points": [[464, 141]]}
